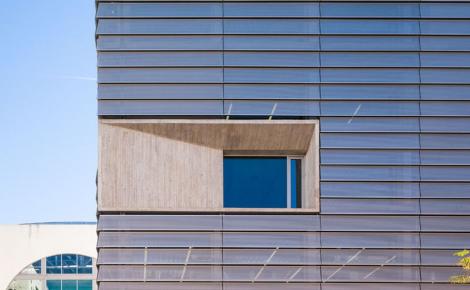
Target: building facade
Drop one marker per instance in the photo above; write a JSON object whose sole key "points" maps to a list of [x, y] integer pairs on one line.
{"points": [[282, 145], [48, 256]]}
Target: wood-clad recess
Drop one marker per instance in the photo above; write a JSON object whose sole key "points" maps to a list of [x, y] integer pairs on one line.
{"points": [[177, 165]]}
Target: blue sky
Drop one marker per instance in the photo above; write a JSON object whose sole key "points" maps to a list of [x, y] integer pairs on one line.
{"points": [[48, 150]]}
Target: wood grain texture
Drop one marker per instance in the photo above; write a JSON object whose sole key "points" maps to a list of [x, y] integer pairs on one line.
{"points": [[141, 171], [177, 165], [311, 174]]}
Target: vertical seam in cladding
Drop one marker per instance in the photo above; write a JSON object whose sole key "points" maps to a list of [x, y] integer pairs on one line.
{"points": [[222, 217], [321, 251], [319, 147], [319, 60], [319, 108], [223, 61], [419, 142]]}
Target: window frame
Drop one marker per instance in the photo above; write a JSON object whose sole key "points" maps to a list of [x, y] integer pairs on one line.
{"points": [[288, 158]]}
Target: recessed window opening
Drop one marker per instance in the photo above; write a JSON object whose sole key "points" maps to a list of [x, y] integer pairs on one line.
{"points": [[262, 182]]}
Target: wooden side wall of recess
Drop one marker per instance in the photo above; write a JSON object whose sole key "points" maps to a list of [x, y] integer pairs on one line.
{"points": [[177, 165]]}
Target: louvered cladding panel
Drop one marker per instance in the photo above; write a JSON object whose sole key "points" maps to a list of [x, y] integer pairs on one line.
{"points": [[178, 250], [390, 83]]}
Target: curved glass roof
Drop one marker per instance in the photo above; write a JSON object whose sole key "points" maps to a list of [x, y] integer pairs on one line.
{"points": [[59, 272]]}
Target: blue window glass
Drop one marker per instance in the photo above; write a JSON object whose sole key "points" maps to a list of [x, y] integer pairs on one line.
{"points": [[69, 284], [255, 182], [295, 184], [54, 264], [37, 266], [69, 264], [85, 264], [53, 284], [85, 285]]}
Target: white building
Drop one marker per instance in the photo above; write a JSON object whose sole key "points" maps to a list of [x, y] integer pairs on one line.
{"points": [[52, 256]]}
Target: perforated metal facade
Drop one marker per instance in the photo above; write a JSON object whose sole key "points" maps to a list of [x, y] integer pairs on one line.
{"points": [[390, 84]]}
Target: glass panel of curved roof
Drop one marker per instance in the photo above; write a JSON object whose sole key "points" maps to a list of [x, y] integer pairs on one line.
{"points": [[59, 272]]}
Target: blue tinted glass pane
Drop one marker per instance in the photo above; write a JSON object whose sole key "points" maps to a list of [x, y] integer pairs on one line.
{"points": [[69, 264], [255, 182], [37, 266], [54, 264], [69, 284], [85, 264], [85, 284], [295, 185], [53, 261], [53, 284], [53, 270]]}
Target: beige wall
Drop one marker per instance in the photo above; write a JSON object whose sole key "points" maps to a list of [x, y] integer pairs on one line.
{"points": [[177, 165], [20, 245]]}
